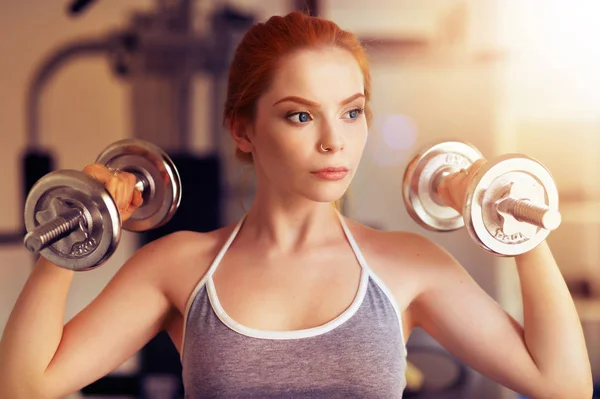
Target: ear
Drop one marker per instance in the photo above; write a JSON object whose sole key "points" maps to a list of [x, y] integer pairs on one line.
{"points": [[241, 132]]}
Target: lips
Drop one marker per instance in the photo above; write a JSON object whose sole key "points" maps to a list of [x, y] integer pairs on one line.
{"points": [[332, 169], [331, 173]]}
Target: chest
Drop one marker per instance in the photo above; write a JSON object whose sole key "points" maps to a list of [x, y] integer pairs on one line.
{"points": [[292, 293], [287, 293], [361, 357]]}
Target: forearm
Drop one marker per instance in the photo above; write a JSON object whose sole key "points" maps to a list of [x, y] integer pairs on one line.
{"points": [[34, 330], [553, 332]]}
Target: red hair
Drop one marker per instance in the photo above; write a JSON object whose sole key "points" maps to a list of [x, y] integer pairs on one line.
{"points": [[257, 56]]}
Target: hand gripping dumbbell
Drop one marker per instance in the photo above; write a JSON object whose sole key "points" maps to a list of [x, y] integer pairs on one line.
{"points": [[511, 204], [73, 221]]}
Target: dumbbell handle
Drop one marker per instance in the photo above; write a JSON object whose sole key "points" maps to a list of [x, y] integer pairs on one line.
{"points": [[64, 224], [521, 209], [52, 231]]}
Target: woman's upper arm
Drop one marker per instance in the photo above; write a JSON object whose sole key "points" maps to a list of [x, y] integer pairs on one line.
{"points": [[127, 313], [464, 319]]}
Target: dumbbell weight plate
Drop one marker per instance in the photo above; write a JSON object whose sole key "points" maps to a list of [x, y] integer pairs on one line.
{"points": [[418, 185], [522, 177], [162, 192], [96, 239]]}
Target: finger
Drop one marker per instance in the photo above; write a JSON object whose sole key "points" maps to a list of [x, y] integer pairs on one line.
{"points": [[126, 214], [105, 176], [127, 184], [111, 186], [459, 174], [458, 193], [99, 172], [120, 195], [136, 202], [475, 166], [137, 199], [451, 190], [443, 192]]}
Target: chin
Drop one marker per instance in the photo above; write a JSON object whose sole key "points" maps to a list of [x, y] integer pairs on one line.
{"points": [[329, 194]]}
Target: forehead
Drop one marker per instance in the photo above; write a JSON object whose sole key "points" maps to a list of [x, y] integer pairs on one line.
{"points": [[317, 74]]}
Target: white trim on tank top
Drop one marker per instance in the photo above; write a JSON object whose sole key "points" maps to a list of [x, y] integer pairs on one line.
{"points": [[288, 334], [366, 272], [374, 276]]}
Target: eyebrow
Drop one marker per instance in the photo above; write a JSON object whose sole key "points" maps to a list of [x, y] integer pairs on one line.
{"points": [[314, 104]]}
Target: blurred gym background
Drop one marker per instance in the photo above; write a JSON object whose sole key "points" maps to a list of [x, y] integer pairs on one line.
{"points": [[505, 75]]}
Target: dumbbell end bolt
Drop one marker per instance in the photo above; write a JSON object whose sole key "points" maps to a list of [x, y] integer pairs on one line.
{"points": [[525, 211], [33, 243], [52, 231]]}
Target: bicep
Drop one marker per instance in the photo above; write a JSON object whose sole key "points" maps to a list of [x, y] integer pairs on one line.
{"points": [[127, 313], [464, 319]]}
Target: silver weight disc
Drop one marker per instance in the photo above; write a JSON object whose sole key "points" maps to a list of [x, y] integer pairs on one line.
{"points": [[99, 234], [155, 169], [419, 185], [520, 177]]}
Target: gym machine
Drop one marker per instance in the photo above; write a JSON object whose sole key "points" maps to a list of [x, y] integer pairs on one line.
{"points": [[157, 54]]}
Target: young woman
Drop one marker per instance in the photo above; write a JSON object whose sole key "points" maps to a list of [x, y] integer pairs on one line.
{"points": [[295, 300]]}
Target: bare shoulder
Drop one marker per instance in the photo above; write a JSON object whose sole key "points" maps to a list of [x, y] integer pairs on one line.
{"points": [[179, 260], [177, 246], [408, 262], [156, 256], [407, 247]]}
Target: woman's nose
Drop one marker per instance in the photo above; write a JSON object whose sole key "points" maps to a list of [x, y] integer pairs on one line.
{"points": [[331, 141]]}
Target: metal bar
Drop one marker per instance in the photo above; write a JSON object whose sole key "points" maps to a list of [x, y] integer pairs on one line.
{"points": [[9, 238], [311, 7]]}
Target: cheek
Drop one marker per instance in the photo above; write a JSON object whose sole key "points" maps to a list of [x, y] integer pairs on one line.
{"points": [[278, 146], [358, 134]]}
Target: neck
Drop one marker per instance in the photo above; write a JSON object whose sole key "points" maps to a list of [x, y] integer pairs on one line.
{"points": [[280, 228]]}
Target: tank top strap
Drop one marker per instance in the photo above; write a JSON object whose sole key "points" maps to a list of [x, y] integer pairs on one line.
{"points": [[238, 226], [355, 248], [372, 275], [225, 247], [213, 266]]}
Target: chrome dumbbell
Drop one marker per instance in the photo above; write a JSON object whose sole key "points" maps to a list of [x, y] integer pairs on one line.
{"points": [[511, 205], [73, 221]]}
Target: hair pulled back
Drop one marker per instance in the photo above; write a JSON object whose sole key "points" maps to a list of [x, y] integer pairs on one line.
{"points": [[264, 45]]}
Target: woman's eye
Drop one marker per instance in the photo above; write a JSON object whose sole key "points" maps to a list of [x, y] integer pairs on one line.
{"points": [[299, 117], [355, 113]]}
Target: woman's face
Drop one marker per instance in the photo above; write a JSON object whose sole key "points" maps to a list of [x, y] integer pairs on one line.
{"points": [[316, 99]]}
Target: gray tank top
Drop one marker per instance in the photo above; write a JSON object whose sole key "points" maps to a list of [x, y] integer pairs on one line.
{"points": [[359, 354]]}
